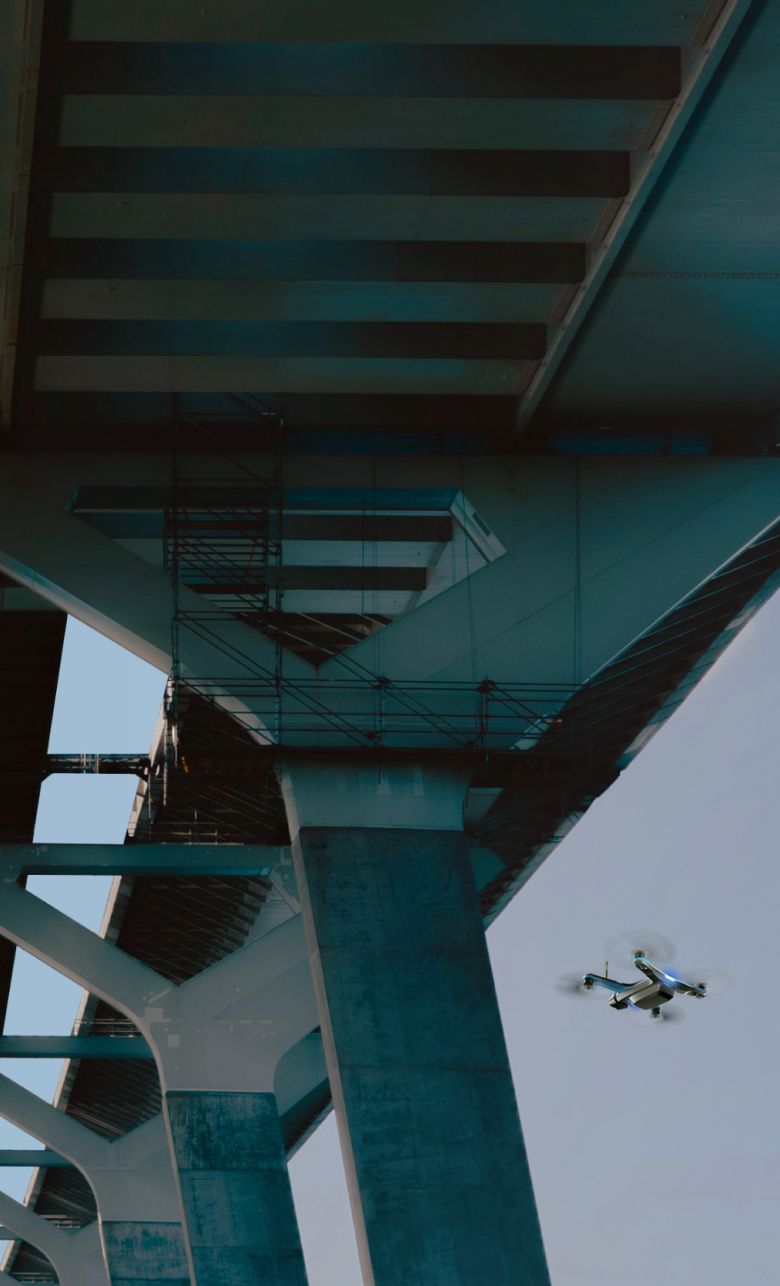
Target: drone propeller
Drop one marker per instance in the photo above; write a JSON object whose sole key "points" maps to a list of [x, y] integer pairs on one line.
{"points": [[623, 947], [571, 984], [714, 981]]}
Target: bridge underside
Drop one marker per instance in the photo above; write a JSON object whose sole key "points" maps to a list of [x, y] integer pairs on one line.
{"points": [[402, 382]]}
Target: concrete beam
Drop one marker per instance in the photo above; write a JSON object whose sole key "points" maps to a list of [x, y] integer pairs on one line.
{"points": [[294, 275], [40, 1157], [408, 22], [209, 374], [98, 966], [355, 301], [442, 70], [393, 217], [117, 120], [47, 549], [104, 1047], [142, 859], [75, 1255]]}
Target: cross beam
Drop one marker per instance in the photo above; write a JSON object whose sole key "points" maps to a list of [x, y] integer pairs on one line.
{"points": [[142, 859], [74, 1047], [33, 1157]]}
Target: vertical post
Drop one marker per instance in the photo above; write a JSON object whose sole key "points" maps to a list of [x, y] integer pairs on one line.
{"points": [[144, 1252], [438, 1175], [235, 1189]]}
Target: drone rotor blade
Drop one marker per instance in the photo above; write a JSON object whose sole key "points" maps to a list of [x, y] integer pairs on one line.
{"points": [[571, 985], [623, 947], [715, 980]]}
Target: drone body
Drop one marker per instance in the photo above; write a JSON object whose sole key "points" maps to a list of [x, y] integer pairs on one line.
{"points": [[654, 989]]}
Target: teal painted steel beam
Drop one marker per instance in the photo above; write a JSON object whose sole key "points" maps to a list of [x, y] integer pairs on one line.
{"points": [[142, 859], [74, 1047], [34, 1157]]}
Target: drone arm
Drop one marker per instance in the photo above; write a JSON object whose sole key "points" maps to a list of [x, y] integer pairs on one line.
{"points": [[598, 980]]}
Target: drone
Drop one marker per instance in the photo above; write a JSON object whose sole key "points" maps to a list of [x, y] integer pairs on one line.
{"points": [[649, 993]]}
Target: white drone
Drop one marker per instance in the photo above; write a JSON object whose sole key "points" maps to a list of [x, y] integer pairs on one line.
{"points": [[655, 988]]}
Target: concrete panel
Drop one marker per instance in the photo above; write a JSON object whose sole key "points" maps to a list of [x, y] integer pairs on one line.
{"points": [[352, 69], [186, 120], [148, 1253], [414, 1043], [285, 375], [235, 1190], [233, 300], [290, 218], [196, 263], [611, 22]]}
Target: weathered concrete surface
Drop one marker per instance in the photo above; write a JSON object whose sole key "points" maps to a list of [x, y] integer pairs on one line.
{"points": [[439, 1180], [235, 1189], [145, 1253]]}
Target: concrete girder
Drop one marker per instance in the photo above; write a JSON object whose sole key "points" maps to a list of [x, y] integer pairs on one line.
{"points": [[257, 121], [596, 551], [83, 572], [75, 1255], [409, 21], [43, 1157], [74, 1047], [142, 859], [240, 997]]}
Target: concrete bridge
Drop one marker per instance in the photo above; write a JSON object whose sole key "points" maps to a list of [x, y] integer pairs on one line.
{"points": [[402, 382]]}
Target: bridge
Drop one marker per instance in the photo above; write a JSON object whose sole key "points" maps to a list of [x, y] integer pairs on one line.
{"points": [[399, 381]]}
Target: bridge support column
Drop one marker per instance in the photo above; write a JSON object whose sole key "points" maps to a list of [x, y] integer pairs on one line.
{"points": [[132, 1181], [217, 1040], [436, 1164], [139, 1251], [235, 1189]]}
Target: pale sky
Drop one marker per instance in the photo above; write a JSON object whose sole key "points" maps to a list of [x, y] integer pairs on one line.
{"points": [[655, 1149]]}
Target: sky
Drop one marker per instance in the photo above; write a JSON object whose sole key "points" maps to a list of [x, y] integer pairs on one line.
{"points": [[654, 1148]]}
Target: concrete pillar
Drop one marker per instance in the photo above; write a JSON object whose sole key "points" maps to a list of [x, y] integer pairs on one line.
{"points": [[235, 1189], [217, 1040], [132, 1181], [438, 1175], [152, 1253]]}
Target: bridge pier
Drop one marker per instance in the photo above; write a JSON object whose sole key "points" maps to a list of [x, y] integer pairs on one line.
{"points": [[436, 1164], [235, 1190], [217, 1040], [138, 1214]]}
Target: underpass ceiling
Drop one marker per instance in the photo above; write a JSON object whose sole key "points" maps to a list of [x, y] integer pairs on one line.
{"points": [[698, 282], [376, 231]]}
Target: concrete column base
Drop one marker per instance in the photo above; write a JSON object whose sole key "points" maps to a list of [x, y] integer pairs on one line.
{"points": [[439, 1180], [148, 1253], [235, 1189]]}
